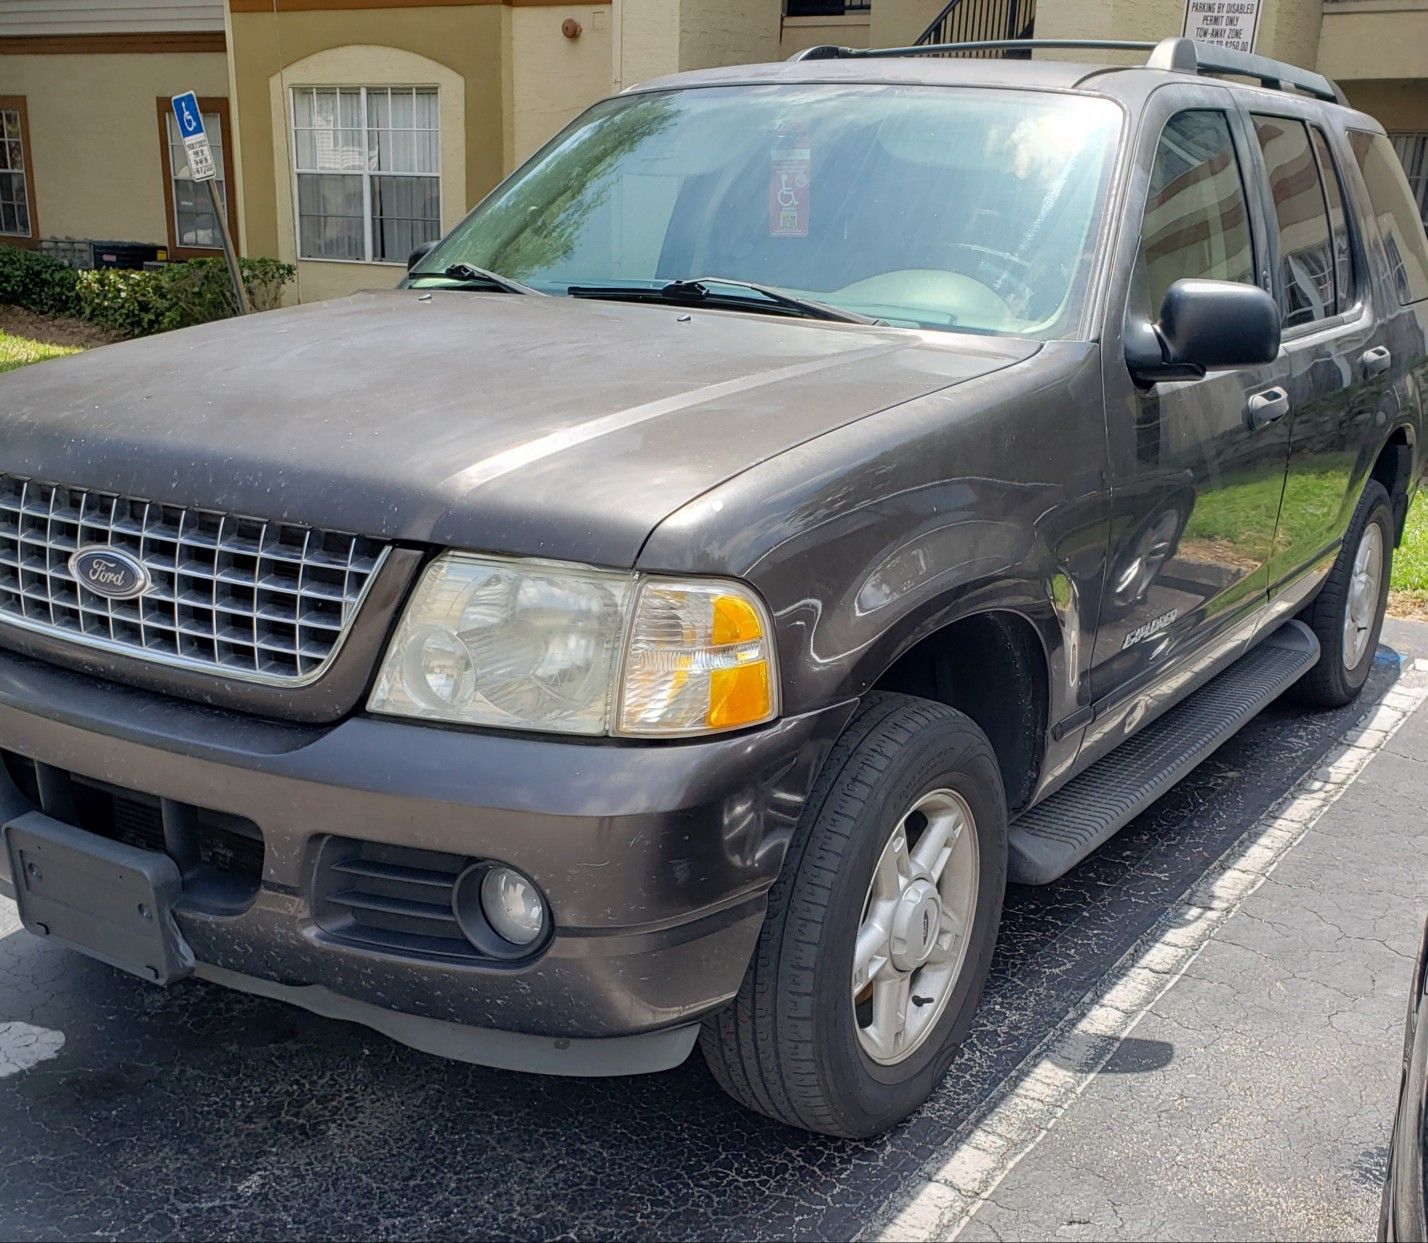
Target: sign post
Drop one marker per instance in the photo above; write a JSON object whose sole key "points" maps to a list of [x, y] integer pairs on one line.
{"points": [[201, 167], [1228, 23]]}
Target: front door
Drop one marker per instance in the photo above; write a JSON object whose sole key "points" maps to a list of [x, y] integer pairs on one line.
{"points": [[1197, 466]]}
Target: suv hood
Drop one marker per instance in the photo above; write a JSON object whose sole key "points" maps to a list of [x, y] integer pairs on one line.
{"points": [[515, 424]]}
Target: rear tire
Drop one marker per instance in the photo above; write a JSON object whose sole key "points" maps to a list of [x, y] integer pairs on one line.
{"points": [[794, 1044], [1347, 614]]}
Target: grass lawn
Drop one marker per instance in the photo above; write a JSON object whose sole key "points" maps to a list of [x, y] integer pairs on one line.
{"points": [[17, 351], [1410, 565]]}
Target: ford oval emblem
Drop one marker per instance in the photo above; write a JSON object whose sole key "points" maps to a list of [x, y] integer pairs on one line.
{"points": [[110, 573]]}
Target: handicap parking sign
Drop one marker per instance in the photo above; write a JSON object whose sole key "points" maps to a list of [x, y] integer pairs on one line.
{"points": [[189, 117]]}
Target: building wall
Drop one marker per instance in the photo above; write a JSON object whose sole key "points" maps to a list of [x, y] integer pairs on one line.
{"points": [[1400, 106], [646, 40], [95, 158], [1289, 30], [656, 37], [1109, 19], [799, 33], [553, 78], [1148, 20], [1375, 39], [728, 32]]}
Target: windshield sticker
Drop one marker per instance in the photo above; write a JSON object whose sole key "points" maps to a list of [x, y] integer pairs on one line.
{"points": [[790, 187]]}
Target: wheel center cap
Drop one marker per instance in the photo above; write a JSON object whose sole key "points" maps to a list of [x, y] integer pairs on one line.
{"points": [[915, 925]]}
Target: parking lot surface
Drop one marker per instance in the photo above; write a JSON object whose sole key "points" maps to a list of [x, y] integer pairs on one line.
{"points": [[1170, 1046]]}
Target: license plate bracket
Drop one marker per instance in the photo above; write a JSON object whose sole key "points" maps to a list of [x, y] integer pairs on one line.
{"points": [[103, 898]]}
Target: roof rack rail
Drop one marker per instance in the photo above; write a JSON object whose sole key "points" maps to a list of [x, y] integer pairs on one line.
{"points": [[1176, 55], [1187, 56]]}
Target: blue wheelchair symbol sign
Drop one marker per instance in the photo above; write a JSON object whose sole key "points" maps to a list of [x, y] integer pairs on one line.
{"points": [[187, 114]]}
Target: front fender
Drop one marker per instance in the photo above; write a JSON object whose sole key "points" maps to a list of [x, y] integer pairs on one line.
{"points": [[988, 496]]}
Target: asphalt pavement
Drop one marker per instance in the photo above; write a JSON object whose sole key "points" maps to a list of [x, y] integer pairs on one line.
{"points": [[1170, 1046]]}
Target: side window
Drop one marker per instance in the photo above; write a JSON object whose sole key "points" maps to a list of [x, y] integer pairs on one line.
{"points": [[1196, 217], [1306, 260], [1396, 212], [1338, 220]]}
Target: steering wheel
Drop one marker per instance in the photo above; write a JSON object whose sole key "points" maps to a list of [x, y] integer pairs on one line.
{"points": [[996, 269], [947, 298]]}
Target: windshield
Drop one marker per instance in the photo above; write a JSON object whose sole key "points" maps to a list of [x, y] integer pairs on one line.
{"points": [[926, 207]]}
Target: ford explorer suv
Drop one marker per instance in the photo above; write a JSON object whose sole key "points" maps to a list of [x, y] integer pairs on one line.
{"points": [[800, 500]]}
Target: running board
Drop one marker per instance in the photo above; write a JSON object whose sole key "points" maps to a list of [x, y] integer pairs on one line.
{"points": [[1049, 839]]}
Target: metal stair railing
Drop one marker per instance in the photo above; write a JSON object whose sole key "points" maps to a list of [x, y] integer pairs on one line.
{"points": [[973, 21]]}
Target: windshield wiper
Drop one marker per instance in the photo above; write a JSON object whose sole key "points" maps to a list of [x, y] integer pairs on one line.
{"points": [[472, 277], [697, 291]]}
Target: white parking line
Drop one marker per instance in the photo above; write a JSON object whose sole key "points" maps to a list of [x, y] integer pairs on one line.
{"points": [[1028, 1103], [24, 1046]]}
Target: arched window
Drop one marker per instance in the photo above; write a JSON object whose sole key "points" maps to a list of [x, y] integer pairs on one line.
{"points": [[369, 147]]}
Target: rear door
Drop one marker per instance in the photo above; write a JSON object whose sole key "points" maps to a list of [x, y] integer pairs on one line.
{"points": [[1331, 339], [1382, 204]]}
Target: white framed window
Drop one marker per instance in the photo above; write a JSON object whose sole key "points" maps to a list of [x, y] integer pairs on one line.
{"points": [[367, 163], [194, 226], [14, 177]]}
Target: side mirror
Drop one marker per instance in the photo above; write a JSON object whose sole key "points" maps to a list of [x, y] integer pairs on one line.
{"points": [[419, 254], [1204, 326]]}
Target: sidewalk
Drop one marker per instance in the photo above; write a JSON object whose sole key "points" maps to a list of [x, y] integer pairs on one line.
{"points": [[1236, 1078]]}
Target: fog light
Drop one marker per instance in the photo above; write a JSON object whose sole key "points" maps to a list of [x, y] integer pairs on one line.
{"points": [[512, 905]]}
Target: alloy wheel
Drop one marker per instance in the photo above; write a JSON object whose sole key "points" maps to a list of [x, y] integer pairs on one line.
{"points": [[1362, 599], [916, 926]]}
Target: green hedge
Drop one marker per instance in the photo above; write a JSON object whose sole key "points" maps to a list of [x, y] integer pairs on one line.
{"points": [[137, 303], [37, 282], [177, 295]]}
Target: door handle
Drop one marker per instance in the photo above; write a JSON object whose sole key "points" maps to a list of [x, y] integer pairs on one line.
{"points": [[1375, 361], [1263, 408]]}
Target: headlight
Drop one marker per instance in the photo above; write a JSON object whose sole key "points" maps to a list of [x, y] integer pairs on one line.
{"points": [[531, 645], [699, 659]]}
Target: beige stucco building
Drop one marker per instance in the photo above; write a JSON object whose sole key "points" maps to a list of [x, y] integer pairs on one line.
{"points": [[349, 130]]}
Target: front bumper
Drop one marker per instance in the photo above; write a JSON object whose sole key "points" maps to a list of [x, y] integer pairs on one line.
{"points": [[655, 859]]}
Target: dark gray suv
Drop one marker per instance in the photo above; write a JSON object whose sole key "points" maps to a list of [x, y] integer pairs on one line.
{"points": [[800, 500]]}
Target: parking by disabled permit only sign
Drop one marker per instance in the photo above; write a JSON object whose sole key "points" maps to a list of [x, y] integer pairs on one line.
{"points": [[1228, 23], [195, 141]]}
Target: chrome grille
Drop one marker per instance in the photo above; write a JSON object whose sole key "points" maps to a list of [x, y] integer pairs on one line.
{"points": [[242, 597]]}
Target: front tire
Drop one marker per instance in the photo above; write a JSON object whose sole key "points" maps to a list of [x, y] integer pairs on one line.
{"points": [[880, 927], [1347, 614]]}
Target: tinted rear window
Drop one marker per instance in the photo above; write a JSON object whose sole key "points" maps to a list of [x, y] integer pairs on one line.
{"points": [[1338, 220], [1306, 252]]}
